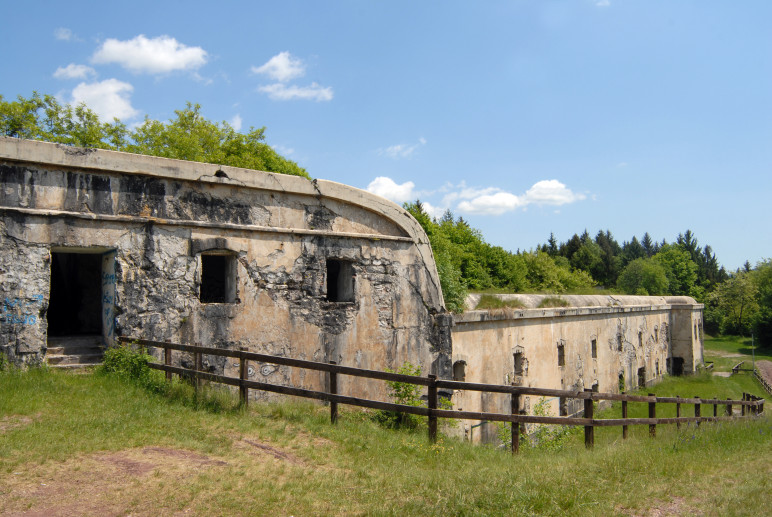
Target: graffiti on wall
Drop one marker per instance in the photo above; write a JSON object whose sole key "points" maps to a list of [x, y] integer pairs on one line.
{"points": [[108, 297], [21, 311]]}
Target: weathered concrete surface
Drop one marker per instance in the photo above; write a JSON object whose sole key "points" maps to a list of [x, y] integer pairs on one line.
{"points": [[152, 219], [634, 335]]}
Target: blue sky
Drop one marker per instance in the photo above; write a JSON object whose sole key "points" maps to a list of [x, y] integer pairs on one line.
{"points": [[524, 117]]}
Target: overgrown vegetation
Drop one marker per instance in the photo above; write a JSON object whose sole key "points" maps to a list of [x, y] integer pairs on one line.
{"points": [[490, 302], [402, 393], [63, 434], [553, 301], [188, 136]]}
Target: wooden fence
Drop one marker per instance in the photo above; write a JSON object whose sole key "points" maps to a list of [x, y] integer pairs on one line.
{"points": [[750, 405]]}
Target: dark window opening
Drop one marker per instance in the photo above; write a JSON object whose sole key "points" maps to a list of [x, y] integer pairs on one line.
{"points": [[595, 387], [218, 278], [622, 383], [619, 342], [75, 303], [656, 334], [640, 338], [340, 281], [459, 371], [656, 367], [561, 354], [519, 363], [642, 377], [594, 346], [563, 406]]}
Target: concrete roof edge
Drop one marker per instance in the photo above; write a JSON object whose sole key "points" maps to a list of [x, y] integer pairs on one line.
{"points": [[34, 151]]}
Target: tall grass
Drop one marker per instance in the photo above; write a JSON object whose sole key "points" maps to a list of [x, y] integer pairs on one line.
{"points": [[358, 467]]}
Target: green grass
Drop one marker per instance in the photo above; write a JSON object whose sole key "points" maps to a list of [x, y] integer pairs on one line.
{"points": [[553, 301], [727, 351], [55, 427]]}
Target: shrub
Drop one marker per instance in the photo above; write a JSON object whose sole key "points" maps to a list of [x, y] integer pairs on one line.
{"points": [[405, 394]]}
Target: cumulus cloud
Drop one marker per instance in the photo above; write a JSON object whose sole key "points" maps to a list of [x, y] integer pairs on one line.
{"points": [[64, 34], [73, 71], [153, 56], [284, 92], [551, 192], [282, 67], [109, 98], [476, 200], [235, 122], [402, 150], [491, 204], [388, 188]]}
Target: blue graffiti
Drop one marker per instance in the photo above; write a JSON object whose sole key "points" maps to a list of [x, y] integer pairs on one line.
{"points": [[21, 311], [108, 278]]}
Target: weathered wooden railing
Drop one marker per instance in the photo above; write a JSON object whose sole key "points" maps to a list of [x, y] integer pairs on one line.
{"points": [[750, 405], [763, 381]]}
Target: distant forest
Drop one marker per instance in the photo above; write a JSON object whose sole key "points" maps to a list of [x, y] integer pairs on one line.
{"points": [[737, 302]]}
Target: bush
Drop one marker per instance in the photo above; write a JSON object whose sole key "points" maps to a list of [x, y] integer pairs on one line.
{"points": [[402, 393]]}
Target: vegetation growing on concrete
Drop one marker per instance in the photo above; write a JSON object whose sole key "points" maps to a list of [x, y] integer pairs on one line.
{"points": [[490, 302]]}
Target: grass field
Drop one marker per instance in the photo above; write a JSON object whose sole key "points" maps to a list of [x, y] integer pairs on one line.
{"points": [[98, 445]]}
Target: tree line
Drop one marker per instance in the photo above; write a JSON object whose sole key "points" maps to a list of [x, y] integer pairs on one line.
{"points": [[187, 136], [735, 302]]}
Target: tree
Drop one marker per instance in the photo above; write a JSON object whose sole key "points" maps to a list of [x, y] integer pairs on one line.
{"points": [[643, 276], [737, 300], [681, 271], [189, 136]]}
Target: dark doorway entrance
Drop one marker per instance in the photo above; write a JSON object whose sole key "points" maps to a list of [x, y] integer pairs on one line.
{"points": [[76, 294]]}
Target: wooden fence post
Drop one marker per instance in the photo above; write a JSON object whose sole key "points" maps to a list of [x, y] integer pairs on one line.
{"points": [[652, 414], [515, 410], [742, 407], [168, 362], [333, 391], [624, 415], [728, 408], [432, 408], [198, 364], [243, 374], [715, 409], [678, 412], [697, 410], [589, 430]]}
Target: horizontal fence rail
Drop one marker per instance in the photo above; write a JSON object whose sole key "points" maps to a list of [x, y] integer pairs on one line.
{"points": [[750, 405]]}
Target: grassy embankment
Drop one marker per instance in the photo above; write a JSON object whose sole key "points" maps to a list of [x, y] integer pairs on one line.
{"points": [[94, 444]]}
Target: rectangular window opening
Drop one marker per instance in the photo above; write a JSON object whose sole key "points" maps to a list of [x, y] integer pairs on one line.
{"points": [[594, 345], [563, 406], [218, 278], [519, 363], [619, 342], [340, 281], [642, 377], [561, 354], [459, 371]]}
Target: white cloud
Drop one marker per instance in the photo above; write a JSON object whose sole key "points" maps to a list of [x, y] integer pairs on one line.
{"points": [[153, 56], [108, 98], [433, 211], [64, 34], [283, 92], [235, 122], [388, 188], [491, 204], [551, 192], [402, 150], [603, 3], [282, 67], [73, 71]]}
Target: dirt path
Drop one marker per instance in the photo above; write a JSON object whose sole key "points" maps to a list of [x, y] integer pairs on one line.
{"points": [[765, 370]]}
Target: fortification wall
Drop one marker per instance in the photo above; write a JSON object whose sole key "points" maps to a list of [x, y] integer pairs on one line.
{"points": [[603, 343], [198, 253]]}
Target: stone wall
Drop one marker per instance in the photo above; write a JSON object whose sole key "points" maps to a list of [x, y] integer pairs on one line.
{"points": [[604, 343], [165, 228]]}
